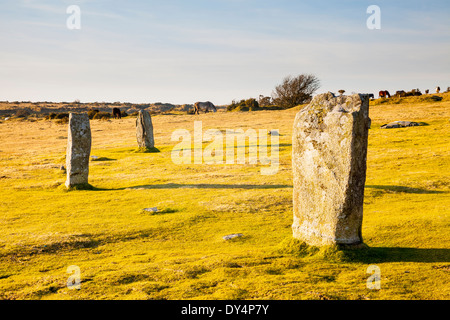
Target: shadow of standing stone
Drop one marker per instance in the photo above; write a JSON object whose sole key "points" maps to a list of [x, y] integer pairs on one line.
{"points": [[78, 151], [329, 170]]}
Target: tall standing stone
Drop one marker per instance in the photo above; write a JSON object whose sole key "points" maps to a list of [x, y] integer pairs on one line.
{"points": [[78, 150], [144, 130], [329, 169]]}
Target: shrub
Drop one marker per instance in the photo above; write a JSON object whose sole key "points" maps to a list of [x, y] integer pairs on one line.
{"points": [[62, 116], [92, 113], [54, 115], [294, 91], [241, 108], [264, 101], [272, 107], [429, 98], [244, 105], [62, 120], [102, 115], [50, 116], [22, 113]]}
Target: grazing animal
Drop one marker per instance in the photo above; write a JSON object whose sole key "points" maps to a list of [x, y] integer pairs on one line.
{"points": [[400, 93], [384, 94], [205, 106], [116, 113], [438, 89], [427, 91], [371, 96]]}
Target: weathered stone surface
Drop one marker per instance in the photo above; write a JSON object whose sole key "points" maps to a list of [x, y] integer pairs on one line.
{"points": [[232, 236], [78, 149], [400, 124], [329, 169], [144, 130]]}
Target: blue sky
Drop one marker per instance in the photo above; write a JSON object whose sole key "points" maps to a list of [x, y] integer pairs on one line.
{"points": [[217, 50]]}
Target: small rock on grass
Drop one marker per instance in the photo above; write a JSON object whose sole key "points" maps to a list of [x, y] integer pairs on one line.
{"points": [[232, 236]]}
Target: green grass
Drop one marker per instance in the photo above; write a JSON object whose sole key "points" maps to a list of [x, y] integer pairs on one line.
{"points": [[178, 252]]}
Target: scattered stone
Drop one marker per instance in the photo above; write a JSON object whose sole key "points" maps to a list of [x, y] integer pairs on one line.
{"points": [[78, 150], [274, 133], [94, 157], [329, 169], [400, 124], [155, 209], [144, 130], [232, 236]]}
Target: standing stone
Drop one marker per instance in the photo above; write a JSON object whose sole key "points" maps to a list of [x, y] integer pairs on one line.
{"points": [[329, 169], [78, 150], [144, 130]]}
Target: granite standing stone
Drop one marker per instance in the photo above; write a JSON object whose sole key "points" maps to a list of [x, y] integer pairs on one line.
{"points": [[78, 149], [329, 169], [144, 130]]}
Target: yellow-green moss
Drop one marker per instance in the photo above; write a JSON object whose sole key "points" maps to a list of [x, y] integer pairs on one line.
{"points": [[126, 254]]}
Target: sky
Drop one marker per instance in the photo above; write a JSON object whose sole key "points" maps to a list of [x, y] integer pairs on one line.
{"points": [[181, 52]]}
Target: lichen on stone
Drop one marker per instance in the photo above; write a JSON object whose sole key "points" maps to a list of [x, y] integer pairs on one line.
{"points": [[329, 154]]}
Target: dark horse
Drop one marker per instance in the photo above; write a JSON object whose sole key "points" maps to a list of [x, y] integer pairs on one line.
{"points": [[116, 113], [205, 106], [384, 94]]}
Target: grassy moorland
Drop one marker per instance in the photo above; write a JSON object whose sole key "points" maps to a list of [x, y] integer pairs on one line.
{"points": [[124, 252]]}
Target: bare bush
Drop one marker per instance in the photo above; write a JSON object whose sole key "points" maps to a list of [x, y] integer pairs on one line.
{"points": [[295, 90]]}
